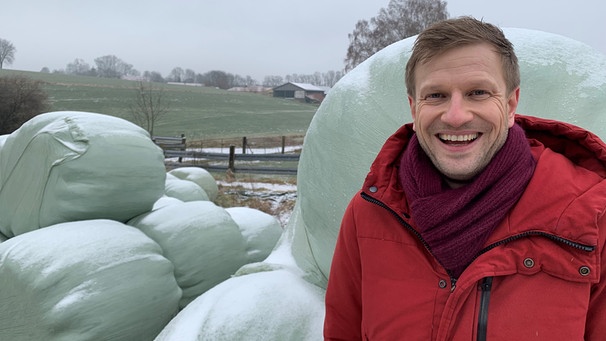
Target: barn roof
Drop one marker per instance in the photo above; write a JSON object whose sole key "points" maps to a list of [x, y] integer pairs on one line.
{"points": [[307, 86], [302, 86]]}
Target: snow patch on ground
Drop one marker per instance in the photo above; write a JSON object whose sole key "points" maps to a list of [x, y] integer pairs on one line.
{"points": [[278, 194]]}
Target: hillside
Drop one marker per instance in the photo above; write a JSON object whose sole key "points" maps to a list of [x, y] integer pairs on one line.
{"points": [[197, 112]]}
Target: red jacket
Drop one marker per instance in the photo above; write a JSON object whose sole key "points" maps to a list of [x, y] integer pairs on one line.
{"points": [[541, 275]]}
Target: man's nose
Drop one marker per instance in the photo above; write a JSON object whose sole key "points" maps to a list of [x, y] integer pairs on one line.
{"points": [[457, 113]]}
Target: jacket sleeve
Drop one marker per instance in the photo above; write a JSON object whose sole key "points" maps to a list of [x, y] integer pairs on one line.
{"points": [[343, 296], [596, 326]]}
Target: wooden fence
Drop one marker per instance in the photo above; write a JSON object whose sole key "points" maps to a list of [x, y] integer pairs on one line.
{"points": [[264, 163], [171, 144]]}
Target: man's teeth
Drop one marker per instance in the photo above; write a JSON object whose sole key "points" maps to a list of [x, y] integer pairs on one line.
{"points": [[458, 138]]}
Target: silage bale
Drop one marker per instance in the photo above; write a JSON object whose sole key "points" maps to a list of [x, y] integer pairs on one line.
{"points": [[87, 280], [201, 177], [183, 190], [68, 166]]}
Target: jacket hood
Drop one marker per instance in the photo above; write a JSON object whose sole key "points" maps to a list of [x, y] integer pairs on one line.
{"points": [[580, 146]]}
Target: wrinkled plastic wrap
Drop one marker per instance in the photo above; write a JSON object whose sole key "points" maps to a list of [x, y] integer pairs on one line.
{"points": [[200, 239], [87, 280], [69, 166]]}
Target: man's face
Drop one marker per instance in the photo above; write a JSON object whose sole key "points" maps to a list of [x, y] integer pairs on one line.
{"points": [[461, 110]]}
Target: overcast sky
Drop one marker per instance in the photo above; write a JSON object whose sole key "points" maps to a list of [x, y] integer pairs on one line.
{"points": [[244, 37]]}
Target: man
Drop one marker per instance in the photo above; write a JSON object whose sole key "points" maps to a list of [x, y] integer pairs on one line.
{"points": [[474, 223]]}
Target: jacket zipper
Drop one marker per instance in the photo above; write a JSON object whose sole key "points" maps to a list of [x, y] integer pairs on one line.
{"points": [[579, 246], [453, 280], [485, 286]]}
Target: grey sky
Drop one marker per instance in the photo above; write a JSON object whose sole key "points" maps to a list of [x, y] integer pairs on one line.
{"points": [[245, 37]]}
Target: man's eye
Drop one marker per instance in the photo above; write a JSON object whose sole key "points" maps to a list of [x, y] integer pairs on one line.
{"points": [[434, 96], [478, 93]]}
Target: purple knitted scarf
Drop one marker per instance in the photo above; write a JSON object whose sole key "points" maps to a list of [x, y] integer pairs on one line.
{"points": [[456, 223]]}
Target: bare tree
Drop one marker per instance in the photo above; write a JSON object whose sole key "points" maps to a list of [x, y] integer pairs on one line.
{"points": [[153, 76], [111, 66], [7, 52], [150, 106], [20, 99], [78, 67], [176, 75], [219, 79], [189, 76], [401, 19]]}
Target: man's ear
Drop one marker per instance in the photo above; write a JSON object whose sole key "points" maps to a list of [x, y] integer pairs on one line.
{"points": [[512, 106], [413, 111]]}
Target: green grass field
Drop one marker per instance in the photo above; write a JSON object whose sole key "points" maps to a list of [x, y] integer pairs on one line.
{"points": [[197, 112]]}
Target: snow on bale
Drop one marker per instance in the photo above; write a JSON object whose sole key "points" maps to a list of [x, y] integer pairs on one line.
{"points": [[86, 280], [270, 300], [70, 166], [200, 239], [287, 308], [183, 190], [260, 230], [201, 177]]}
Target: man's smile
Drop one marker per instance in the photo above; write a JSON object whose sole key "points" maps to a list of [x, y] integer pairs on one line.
{"points": [[454, 139]]}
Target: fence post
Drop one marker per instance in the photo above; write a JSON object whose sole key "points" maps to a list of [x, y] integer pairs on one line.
{"points": [[283, 143], [244, 145], [182, 148], [232, 158]]}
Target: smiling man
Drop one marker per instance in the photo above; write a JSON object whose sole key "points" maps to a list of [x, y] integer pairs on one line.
{"points": [[474, 223]]}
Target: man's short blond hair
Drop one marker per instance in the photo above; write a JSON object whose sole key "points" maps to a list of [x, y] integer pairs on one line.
{"points": [[452, 33]]}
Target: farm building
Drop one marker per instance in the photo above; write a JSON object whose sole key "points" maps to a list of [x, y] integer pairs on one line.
{"points": [[301, 91]]}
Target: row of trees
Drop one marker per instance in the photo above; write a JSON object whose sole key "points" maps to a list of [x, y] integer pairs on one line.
{"points": [[108, 66], [113, 67], [328, 79]]}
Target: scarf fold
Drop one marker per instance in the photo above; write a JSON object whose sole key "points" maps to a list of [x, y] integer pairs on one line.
{"points": [[456, 223]]}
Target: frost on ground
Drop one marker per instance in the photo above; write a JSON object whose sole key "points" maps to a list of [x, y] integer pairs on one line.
{"points": [[277, 199]]}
